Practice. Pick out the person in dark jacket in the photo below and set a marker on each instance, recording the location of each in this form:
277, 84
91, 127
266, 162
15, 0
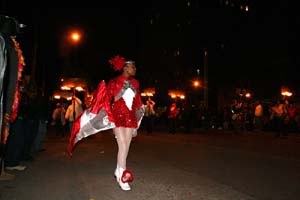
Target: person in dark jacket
11, 67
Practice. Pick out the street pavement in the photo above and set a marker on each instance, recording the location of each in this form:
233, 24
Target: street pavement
204, 165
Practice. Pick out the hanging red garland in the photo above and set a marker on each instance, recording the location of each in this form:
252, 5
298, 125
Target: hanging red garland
117, 62
21, 64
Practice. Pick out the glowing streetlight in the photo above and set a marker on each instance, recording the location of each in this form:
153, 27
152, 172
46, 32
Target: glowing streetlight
196, 83
75, 37
70, 48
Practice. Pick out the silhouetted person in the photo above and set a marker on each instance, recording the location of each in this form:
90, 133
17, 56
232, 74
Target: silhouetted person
149, 115
58, 119
172, 116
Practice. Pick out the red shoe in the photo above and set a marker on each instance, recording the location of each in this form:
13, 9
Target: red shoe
123, 180
127, 176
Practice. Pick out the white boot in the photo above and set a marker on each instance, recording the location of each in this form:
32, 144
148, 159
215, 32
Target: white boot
116, 173
124, 186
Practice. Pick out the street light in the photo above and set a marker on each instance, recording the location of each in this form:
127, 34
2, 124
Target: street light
196, 83
72, 43
75, 36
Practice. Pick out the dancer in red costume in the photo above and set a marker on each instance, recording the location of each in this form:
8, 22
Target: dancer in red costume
118, 106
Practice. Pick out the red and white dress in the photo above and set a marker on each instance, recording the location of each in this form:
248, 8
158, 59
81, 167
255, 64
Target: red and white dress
123, 92
117, 105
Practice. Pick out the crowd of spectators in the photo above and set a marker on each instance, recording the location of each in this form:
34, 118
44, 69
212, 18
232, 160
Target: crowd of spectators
278, 116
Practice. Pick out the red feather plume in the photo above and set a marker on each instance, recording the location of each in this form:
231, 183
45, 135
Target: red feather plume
117, 62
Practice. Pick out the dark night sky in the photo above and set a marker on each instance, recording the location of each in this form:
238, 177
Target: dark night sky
246, 49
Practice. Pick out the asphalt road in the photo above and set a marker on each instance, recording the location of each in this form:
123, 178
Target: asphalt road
205, 165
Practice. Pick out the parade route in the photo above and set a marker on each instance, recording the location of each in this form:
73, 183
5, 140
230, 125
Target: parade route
209, 165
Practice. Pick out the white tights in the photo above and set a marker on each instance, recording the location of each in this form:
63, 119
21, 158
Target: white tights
123, 136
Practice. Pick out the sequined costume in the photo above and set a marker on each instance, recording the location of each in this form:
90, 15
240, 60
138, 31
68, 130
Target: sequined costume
123, 92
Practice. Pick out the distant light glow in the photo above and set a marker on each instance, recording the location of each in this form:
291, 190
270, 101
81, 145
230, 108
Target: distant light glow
246, 8
79, 88
248, 95
149, 92
75, 36
176, 94
65, 88
286, 93
196, 83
